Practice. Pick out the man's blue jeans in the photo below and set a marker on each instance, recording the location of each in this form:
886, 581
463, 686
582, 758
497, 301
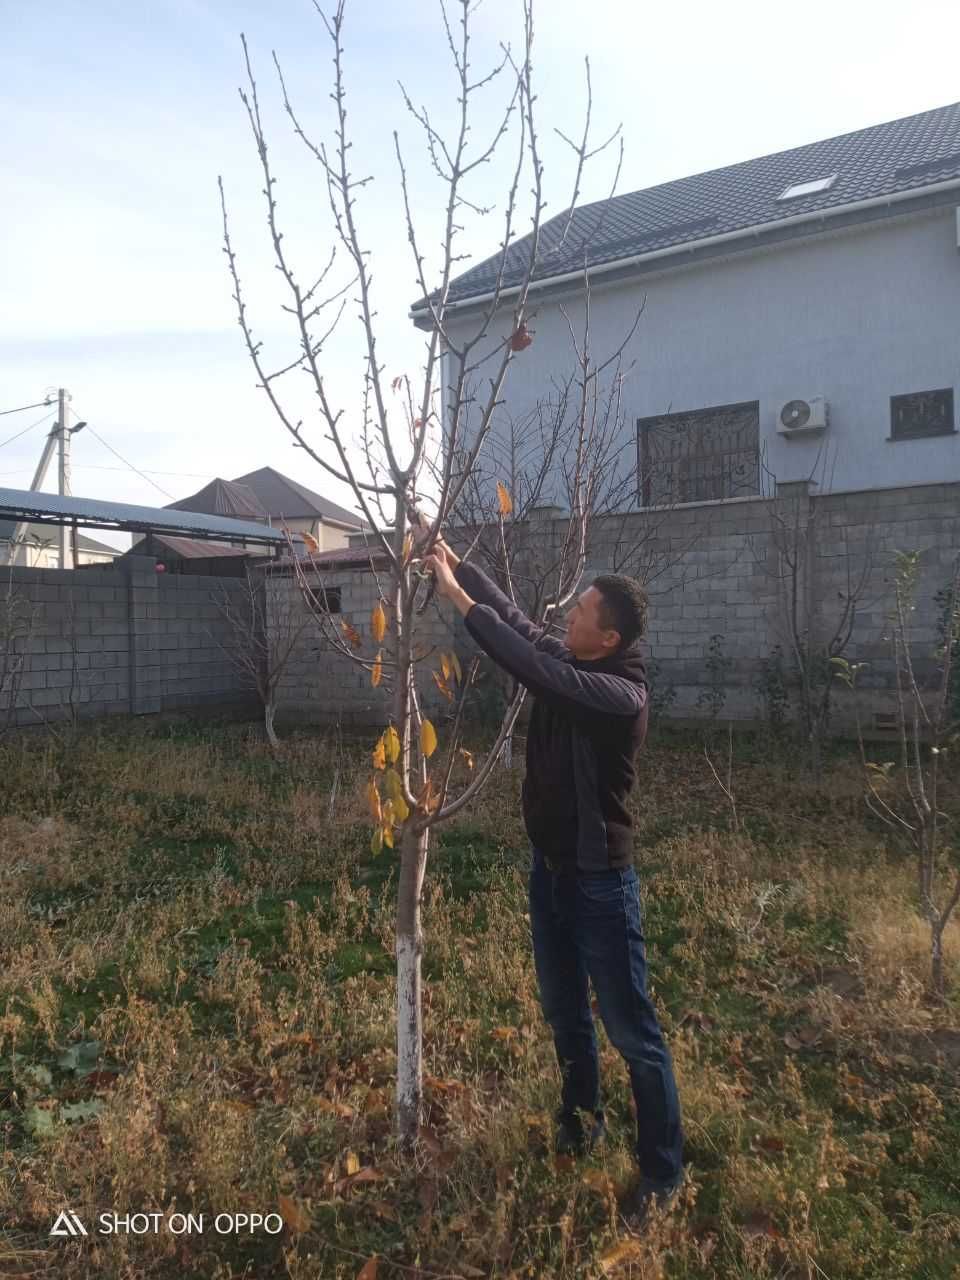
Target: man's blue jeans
588, 925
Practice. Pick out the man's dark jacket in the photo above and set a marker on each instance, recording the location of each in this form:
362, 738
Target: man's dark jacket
589, 718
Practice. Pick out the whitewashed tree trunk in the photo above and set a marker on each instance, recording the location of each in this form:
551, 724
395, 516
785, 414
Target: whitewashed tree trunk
269, 711
413, 859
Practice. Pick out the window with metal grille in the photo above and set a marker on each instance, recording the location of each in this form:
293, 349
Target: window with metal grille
922, 413
699, 456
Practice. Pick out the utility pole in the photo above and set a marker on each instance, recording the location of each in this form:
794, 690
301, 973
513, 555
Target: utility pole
63, 486
20, 530
59, 435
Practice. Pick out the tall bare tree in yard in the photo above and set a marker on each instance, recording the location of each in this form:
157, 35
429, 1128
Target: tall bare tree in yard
398, 425
815, 632
264, 628
916, 795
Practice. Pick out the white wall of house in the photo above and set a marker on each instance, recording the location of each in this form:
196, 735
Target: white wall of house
329, 536
32, 555
855, 315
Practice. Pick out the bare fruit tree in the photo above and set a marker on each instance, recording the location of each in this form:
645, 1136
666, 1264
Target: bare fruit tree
915, 795
815, 633
389, 462
265, 624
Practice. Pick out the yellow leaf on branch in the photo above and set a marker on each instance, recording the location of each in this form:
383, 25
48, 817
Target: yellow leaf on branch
388, 837
376, 840
391, 741
380, 754
445, 666
376, 673
504, 501
378, 623
457, 671
467, 757
394, 785
442, 685
401, 809
428, 738
373, 799
428, 800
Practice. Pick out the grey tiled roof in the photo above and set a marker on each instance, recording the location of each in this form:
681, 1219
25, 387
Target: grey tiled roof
223, 498
901, 155
287, 498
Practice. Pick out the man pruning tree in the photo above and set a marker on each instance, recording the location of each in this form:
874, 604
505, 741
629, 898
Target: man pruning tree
589, 718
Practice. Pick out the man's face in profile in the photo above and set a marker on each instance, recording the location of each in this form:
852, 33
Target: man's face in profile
585, 637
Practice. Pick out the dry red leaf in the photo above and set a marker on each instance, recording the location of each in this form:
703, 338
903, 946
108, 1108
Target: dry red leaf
520, 339
352, 634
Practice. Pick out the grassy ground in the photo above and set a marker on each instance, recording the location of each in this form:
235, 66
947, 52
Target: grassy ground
196, 1016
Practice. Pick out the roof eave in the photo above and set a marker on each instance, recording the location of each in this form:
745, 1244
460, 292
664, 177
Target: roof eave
422, 316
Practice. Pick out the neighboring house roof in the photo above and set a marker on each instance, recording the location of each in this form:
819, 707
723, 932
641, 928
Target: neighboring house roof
905, 155
195, 548
347, 557
48, 533
223, 498
285, 498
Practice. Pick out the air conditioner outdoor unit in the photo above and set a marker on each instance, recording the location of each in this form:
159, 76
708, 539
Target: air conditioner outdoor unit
803, 417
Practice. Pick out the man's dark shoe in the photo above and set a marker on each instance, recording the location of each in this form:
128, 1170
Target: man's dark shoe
646, 1198
572, 1138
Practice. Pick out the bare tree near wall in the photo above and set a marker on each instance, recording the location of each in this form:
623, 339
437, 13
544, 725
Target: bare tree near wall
264, 628
916, 795
18, 621
814, 630
409, 793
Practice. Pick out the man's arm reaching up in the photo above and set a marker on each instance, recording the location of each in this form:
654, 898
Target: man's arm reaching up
543, 673
550, 677
481, 588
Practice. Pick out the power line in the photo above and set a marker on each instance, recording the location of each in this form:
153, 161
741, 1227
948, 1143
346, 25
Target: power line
150, 471
24, 407
10, 439
137, 470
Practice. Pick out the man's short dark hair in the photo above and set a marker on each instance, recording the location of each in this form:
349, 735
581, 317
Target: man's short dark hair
623, 606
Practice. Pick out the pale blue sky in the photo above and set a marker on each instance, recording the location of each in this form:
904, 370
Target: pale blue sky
118, 115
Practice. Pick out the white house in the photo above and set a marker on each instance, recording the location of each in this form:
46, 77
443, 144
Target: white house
39, 547
794, 301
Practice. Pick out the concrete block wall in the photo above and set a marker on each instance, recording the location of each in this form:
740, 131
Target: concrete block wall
117, 640
322, 684
124, 639
712, 569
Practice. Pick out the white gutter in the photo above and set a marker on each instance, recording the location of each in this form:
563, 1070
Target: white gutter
689, 245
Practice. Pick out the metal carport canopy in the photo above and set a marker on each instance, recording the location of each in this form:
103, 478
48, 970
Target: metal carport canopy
29, 505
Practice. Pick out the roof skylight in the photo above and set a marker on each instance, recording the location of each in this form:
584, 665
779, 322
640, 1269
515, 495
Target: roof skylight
807, 188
